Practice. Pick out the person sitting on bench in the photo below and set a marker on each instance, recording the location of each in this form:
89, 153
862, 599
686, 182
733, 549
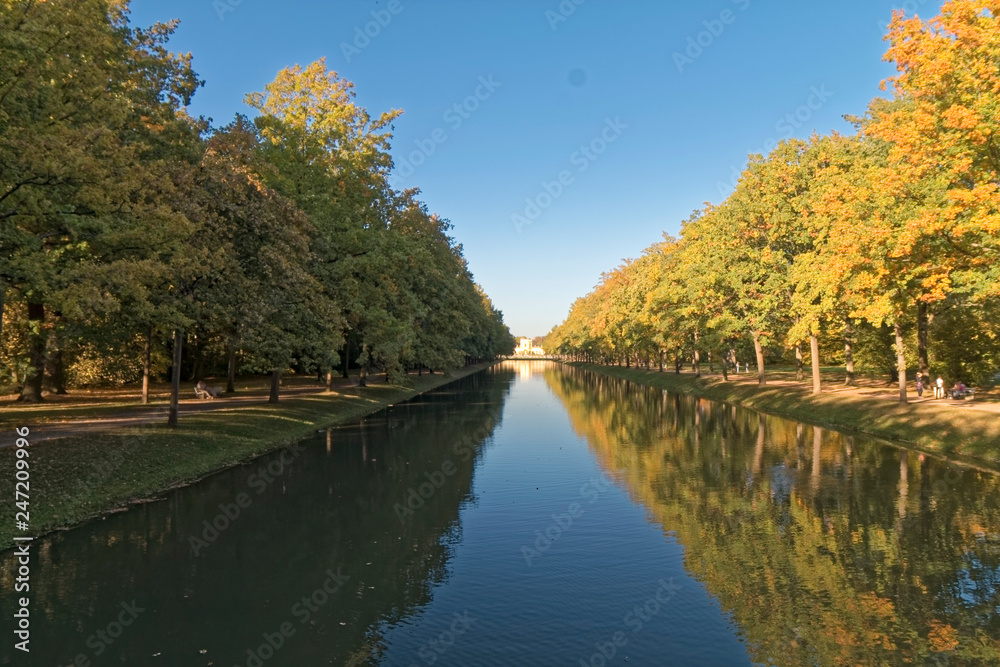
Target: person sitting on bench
960, 390
202, 390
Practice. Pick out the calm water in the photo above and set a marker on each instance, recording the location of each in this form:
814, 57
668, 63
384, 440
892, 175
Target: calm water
536, 515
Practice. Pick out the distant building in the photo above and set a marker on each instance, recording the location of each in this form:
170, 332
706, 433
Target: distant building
526, 347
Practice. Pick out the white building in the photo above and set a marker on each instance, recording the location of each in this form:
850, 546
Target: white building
526, 347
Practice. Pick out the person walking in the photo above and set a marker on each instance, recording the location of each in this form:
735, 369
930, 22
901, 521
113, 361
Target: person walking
920, 385
939, 388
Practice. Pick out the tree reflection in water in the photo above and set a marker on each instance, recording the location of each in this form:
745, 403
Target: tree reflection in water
826, 549
333, 508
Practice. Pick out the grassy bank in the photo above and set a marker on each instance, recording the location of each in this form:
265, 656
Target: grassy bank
943, 427
77, 478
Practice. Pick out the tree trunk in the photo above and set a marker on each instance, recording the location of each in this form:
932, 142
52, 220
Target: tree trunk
725, 370
817, 459
58, 367
3, 295
231, 369
32, 390
799, 375
923, 326
900, 361
147, 354
849, 351
814, 349
347, 359
175, 380
275, 386
758, 454
363, 380
197, 349
329, 380
697, 357
800, 445
759, 350
677, 363
904, 483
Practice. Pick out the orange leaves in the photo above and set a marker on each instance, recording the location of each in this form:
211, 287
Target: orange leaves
942, 637
906, 211
942, 168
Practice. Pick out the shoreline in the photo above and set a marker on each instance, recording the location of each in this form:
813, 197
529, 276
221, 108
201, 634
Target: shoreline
966, 436
80, 478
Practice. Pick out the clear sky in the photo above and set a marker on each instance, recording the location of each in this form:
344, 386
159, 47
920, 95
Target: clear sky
584, 129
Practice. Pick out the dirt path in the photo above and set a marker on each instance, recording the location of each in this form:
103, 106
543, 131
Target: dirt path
876, 391
74, 414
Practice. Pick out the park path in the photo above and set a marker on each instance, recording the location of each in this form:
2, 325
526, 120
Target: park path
877, 391
142, 415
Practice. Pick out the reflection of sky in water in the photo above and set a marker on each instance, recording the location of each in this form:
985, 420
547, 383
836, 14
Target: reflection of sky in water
526, 368
979, 581
782, 483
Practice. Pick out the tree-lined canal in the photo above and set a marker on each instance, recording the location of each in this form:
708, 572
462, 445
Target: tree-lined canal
537, 514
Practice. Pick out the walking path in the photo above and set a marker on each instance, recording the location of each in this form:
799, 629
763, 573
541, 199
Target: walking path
876, 390
85, 412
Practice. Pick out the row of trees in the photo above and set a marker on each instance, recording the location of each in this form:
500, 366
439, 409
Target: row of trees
881, 246
130, 230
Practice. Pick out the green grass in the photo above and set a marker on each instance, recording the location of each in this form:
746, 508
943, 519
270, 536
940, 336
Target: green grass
78, 478
935, 427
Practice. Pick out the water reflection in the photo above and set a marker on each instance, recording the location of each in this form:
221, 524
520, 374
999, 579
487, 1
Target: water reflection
826, 549
822, 549
323, 546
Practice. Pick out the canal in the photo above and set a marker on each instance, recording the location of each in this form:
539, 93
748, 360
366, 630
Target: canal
537, 514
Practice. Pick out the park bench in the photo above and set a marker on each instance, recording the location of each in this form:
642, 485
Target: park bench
204, 391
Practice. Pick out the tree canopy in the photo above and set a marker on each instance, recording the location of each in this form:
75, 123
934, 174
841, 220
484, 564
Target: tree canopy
881, 245
129, 229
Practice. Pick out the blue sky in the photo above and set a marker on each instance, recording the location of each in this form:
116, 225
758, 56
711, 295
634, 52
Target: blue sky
584, 129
